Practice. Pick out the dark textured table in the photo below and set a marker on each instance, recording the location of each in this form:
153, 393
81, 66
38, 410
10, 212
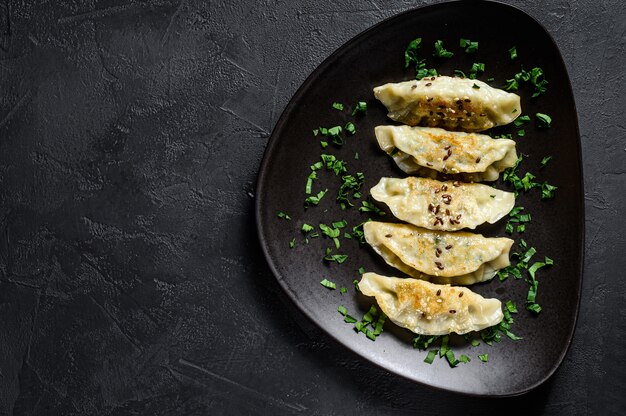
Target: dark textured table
131, 277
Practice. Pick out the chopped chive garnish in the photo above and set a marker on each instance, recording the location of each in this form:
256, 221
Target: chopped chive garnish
451, 359
547, 190
292, 243
470, 47
513, 53
477, 68
343, 290
307, 228
543, 120
484, 358
323, 144
545, 161
356, 156
349, 319
328, 284
410, 53
283, 215
361, 270
360, 108
521, 120
431, 356
315, 200
356, 285
476, 87
338, 106
350, 128
440, 51
464, 358
521, 133
475, 343
459, 73
342, 310
367, 206
338, 258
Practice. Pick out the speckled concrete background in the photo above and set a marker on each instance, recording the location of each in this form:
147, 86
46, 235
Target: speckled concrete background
131, 280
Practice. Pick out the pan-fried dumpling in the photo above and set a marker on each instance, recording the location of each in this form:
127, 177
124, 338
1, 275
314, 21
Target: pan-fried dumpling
449, 102
449, 205
442, 257
429, 309
425, 151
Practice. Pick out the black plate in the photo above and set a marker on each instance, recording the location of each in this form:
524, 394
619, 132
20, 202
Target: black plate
374, 58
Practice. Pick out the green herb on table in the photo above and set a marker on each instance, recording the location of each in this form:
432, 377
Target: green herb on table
513, 53
338, 106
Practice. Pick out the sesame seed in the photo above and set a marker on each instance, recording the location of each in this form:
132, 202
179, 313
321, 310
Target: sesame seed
478, 159
429, 84
438, 292
448, 247
413, 87
388, 236
452, 311
439, 265
461, 294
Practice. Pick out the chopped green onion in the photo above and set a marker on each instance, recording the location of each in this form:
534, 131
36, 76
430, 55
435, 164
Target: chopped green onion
464, 358
513, 53
521, 133
545, 161
350, 128
470, 47
342, 310
283, 215
484, 358
476, 87
307, 228
430, 357
544, 120
440, 51
338, 106
343, 290
410, 54
292, 243
328, 284
547, 190
521, 120
360, 108
475, 343
315, 200
361, 270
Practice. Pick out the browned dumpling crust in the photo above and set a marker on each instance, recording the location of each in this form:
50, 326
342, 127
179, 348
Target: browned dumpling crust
439, 256
430, 309
449, 102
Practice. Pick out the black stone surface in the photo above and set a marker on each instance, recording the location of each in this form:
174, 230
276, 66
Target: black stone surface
131, 279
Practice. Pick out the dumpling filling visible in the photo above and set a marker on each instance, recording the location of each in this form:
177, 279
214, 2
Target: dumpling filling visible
429, 309
449, 102
448, 206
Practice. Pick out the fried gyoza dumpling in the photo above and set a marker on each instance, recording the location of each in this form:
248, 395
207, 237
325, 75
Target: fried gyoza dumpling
449, 205
426, 151
442, 257
449, 102
429, 309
